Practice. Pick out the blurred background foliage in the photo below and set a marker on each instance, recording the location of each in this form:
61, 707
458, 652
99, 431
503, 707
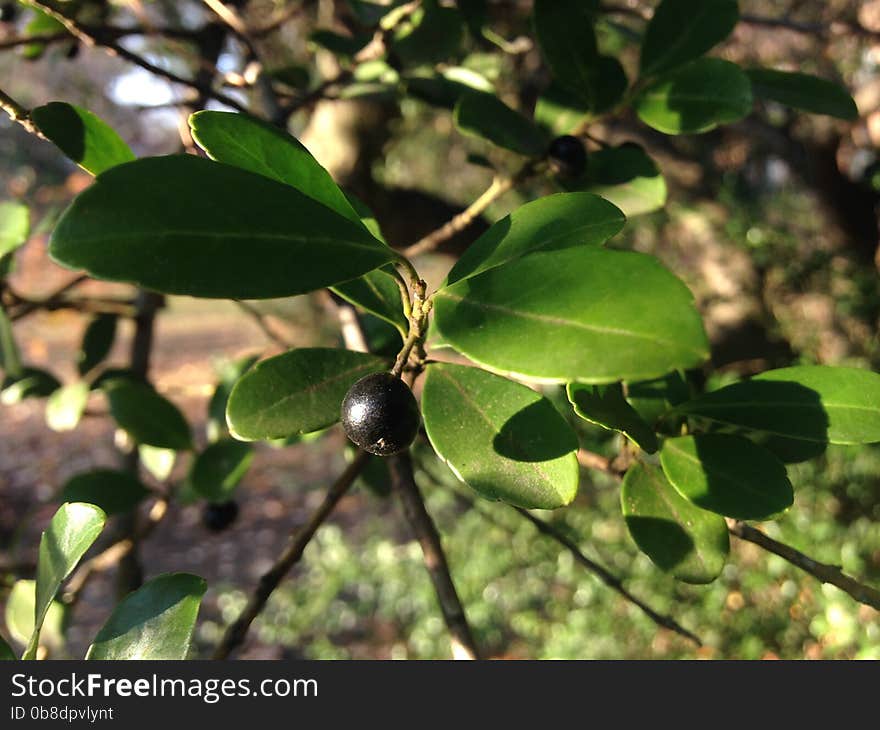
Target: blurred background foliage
771, 221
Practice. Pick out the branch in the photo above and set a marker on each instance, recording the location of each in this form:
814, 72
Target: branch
237, 631
831, 574
403, 482
19, 114
607, 577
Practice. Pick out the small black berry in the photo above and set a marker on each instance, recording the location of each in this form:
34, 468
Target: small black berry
219, 515
8, 12
567, 156
380, 414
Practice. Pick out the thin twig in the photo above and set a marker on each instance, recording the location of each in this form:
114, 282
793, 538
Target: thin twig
831, 574
404, 484
19, 114
608, 578
236, 632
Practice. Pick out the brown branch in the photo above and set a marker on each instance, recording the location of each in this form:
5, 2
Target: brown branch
404, 484
608, 578
19, 114
831, 574
236, 632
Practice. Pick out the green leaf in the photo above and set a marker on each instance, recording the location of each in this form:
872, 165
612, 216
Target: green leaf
146, 416
216, 472
40, 24
97, 342
241, 141
6, 653
485, 115
429, 35
377, 293
66, 405
605, 406
696, 98
810, 403
728, 475
10, 358
502, 439
566, 33
185, 225
154, 622
344, 46
84, 137
682, 30
15, 226
627, 177
297, 392
588, 315
230, 373
653, 398
19, 617
158, 462
31, 383
561, 111
71, 532
552, 223
802, 91
115, 492
444, 89
680, 538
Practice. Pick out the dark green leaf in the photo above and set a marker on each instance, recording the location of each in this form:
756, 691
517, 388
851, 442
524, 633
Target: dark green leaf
6, 653
66, 406
551, 223
216, 471
429, 35
504, 440
31, 383
377, 293
146, 416
97, 342
684, 540
15, 226
71, 532
114, 492
10, 358
605, 406
802, 91
652, 398
485, 115
186, 225
294, 76
84, 137
297, 392
229, 376
584, 314
809, 403
40, 24
696, 98
154, 622
682, 30
344, 46
566, 33
728, 475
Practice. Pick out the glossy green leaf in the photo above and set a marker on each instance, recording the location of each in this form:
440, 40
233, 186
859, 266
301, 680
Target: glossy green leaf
66, 405
561, 111
185, 225
682, 30
245, 142
19, 617
146, 416
158, 462
485, 115
809, 403
802, 91
551, 223
377, 293
97, 342
6, 653
680, 538
15, 226
30, 383
229, 372
429, 35
71, 532
115, 492
605, 406
154, 622
696, 98
585, 314
297, 392
10, 358
627, 177
653, 398
566, 34
83, 136
728, 475
502, 439
217, 470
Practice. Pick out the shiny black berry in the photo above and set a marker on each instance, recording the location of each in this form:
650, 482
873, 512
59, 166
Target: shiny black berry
220, 515
567, 156
380, 414
8, 12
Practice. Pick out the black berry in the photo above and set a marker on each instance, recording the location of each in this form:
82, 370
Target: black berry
380, 414
8, 12
567, 156
219, 515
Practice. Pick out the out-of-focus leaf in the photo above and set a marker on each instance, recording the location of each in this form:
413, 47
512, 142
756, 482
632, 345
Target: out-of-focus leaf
113, 491
802, 91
